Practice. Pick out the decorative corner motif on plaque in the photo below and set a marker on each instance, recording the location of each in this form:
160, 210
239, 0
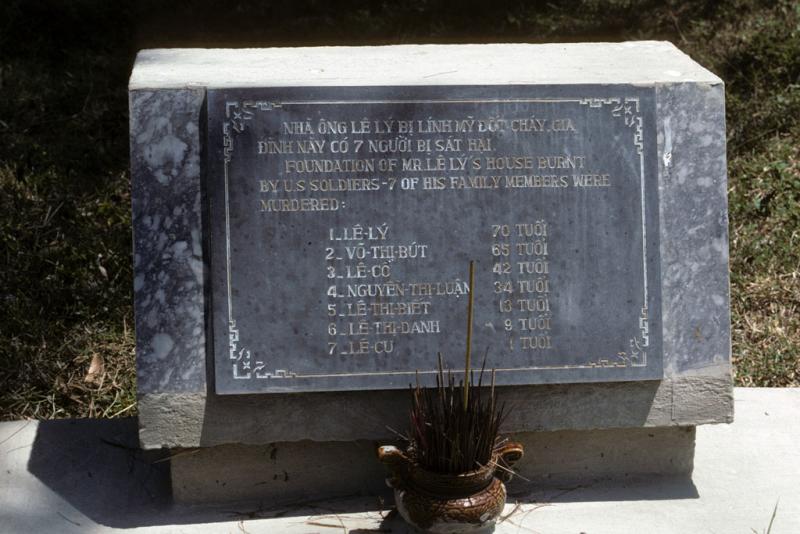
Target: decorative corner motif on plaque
639, 344
621, 360
238, 113
243, 365
277, 373
636, 355
628, 109
242, 358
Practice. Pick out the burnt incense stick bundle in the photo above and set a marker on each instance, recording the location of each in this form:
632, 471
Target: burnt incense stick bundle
449, 436
454, 429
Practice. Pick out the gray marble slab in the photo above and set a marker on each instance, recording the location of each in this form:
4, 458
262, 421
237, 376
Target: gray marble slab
343, 221
694, 225
168, 283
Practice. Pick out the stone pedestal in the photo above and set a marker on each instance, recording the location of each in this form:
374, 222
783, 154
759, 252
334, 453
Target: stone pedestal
292, 472
596, 428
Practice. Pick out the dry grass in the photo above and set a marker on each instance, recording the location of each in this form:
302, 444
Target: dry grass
68, 388
67, 304
765, 242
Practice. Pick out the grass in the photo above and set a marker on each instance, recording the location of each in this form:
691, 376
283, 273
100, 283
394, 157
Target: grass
66, 302
765, 264
65, 260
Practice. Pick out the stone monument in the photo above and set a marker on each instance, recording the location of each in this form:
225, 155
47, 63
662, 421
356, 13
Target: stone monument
304, 219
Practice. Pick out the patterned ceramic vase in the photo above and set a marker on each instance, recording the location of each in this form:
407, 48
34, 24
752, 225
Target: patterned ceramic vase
445, 504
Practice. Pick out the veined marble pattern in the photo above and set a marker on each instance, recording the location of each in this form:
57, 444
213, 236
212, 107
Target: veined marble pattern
694, 227
168, 252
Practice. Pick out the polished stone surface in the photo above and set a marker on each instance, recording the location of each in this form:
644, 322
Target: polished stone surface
343, 220
693, 199
168, 266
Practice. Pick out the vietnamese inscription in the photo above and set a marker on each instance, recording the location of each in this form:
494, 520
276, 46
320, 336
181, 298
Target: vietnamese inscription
343, 220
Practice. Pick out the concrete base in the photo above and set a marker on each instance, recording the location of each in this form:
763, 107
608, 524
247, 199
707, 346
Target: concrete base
74, 477
282, 473
201, 420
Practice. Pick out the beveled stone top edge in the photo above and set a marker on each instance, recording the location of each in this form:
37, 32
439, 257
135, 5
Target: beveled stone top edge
633, 62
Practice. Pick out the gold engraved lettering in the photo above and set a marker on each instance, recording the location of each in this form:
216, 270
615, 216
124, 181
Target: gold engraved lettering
400, 308
390, 289
561, 162
591, 180
304, 204
394, 328
328, 165
509, 163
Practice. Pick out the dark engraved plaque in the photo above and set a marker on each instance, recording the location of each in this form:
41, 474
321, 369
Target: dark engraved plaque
343, 219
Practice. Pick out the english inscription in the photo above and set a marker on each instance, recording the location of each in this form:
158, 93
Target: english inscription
343, 221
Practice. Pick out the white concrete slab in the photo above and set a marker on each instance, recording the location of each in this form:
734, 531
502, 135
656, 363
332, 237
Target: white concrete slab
644, 62
87, 476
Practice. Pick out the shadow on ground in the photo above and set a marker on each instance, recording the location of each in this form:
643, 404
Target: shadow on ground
638, 488
98, 469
